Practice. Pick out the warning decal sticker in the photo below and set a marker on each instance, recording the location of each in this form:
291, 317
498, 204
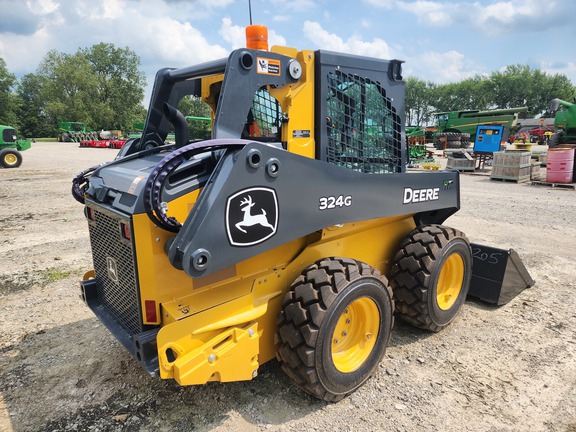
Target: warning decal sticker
267, 66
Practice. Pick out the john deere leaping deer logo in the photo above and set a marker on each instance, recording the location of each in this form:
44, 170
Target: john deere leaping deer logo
250, 219
251, 216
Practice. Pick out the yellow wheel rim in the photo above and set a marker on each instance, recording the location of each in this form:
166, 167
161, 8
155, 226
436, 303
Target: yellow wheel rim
10, 159
355, 335
450, 281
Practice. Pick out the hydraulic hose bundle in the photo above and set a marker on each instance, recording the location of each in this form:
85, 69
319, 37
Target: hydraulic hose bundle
153, 187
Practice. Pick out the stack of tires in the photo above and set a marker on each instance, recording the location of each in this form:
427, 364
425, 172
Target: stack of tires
453, 140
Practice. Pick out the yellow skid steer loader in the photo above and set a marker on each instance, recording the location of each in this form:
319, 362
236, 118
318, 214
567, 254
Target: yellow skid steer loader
294, 233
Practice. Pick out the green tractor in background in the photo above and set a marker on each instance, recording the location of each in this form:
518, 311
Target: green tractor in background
74, 132
416, 138
564, 121
457, 129
10, 147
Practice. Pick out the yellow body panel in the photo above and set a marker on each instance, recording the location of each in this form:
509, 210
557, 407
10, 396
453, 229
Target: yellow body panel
297, 101
231, 355
194, 336
155, 282
179, 294
210, 90
221, 327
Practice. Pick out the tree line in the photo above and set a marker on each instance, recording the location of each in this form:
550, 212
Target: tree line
103, 88
100, 86
515, 86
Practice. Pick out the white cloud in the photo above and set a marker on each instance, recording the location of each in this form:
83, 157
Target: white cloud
494, 17
233, 34
153, 32
503, 12
294, 5
42, 7
169, 41
281, 18
216, 3
21, 61
429, 12
353, 45
449, 66
106, 9
568, 69
381, 3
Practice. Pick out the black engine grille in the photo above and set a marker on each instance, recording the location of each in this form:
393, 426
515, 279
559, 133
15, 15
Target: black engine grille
114, 268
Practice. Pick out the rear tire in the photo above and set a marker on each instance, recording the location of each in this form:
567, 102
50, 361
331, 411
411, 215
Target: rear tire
334, 327
431, 276
555, 139
10, 158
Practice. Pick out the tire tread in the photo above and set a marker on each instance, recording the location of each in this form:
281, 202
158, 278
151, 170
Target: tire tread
303, 310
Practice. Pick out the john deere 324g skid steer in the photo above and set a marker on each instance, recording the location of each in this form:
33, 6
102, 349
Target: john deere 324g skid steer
294, 233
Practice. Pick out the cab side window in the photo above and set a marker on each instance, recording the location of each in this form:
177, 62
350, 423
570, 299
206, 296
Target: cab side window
362, 126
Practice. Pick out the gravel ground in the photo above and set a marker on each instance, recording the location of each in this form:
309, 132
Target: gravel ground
508, 368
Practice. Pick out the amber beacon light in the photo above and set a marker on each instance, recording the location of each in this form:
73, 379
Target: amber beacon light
257, 37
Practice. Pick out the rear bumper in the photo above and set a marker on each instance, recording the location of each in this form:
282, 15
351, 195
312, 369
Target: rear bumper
142, 346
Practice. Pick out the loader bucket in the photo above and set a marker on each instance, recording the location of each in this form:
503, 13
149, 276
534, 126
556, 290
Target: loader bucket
498, 275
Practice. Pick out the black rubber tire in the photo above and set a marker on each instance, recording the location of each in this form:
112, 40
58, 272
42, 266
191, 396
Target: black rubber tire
10, 158
439, 141
309, 315
454, 136
415, 275
452, 144
555, 139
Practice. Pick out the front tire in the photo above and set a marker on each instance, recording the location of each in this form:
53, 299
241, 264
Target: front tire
10, 158
555, 139
431, 276
334, 327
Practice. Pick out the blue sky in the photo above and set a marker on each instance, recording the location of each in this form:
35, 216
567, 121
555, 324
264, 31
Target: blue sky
440, 41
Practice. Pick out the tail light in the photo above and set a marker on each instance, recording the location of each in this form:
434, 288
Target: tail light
125, 230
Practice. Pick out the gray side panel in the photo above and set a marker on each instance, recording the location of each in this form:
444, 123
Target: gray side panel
211, 238
243, 77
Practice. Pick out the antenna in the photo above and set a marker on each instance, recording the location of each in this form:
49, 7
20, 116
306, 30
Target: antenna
256, 35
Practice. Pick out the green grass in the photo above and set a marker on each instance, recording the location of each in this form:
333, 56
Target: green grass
45, 139
51, 275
